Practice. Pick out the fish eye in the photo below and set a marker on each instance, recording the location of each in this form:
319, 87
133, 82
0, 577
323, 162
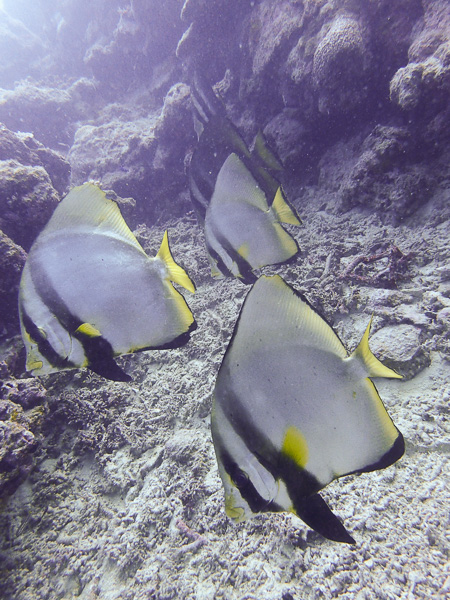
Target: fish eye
240, 478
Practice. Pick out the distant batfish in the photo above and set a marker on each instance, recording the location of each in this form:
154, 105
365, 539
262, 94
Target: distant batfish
89, 292
292, 411
236, 194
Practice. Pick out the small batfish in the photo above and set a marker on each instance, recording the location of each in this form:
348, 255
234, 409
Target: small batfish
89, 292
236, 194
293, 410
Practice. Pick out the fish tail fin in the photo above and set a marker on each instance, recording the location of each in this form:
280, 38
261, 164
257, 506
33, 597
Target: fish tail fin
284, 212
176, 273
374, 366
264, 153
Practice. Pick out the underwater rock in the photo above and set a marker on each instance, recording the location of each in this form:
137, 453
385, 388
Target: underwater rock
399, 347
288, 136
47, 112
17, 444
132, 41
29, 174
138, 154
27, 393
25, 148
12, 261
27, 199
271, 27
339, 66
214, 31
425, 81
386, 177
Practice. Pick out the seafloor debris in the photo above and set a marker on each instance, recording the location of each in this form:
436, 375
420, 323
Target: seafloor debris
198, 539
383, 268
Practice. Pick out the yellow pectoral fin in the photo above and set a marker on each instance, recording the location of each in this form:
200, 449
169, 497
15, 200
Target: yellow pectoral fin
283, 211
34, 365
375, 368
244, 250
237, 513
176, 273
88, 330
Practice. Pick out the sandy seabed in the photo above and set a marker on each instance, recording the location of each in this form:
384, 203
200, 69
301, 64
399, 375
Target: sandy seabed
126, 503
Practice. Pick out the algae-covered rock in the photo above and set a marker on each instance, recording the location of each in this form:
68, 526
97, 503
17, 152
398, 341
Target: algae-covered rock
20, 49
138, 154
27, 200
17, 444
12, 261
340, 66
424, 83
385, 177
47, 112
27, 150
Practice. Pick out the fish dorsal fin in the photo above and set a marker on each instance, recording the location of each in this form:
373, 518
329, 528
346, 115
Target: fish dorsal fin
176, 273
282, 209
374, 367
265, 154
291, 318
235, 180
87, 207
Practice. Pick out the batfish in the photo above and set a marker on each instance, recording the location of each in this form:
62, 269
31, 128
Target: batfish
293, 410
89, 292
236, 193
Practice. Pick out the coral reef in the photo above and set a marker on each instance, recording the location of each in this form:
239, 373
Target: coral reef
123, 498
20, 49
12, 261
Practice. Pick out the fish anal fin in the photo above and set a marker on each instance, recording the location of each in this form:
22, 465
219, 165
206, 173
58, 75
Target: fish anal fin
390, 457
374, 367
316, 513
108, 368
283, 211
295, 446
176, 273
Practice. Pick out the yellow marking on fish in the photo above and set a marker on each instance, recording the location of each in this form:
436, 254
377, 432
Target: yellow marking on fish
88, 330
295, 446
